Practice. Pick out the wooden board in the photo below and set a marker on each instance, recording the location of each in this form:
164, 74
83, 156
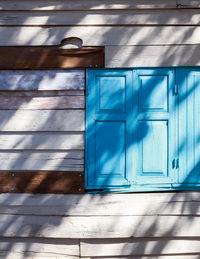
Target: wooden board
42, 80
185, 256
42, 182
42, 160
86, 5
50, 57
152, 56
23, 102
43, 120
188, 3
99, 226
102, 17
134, 246
91, 36
60, 200
41, 141
102, 205
33, 255
39, 247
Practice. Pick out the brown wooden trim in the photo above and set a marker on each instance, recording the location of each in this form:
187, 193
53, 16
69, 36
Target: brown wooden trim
50, 57
42, 182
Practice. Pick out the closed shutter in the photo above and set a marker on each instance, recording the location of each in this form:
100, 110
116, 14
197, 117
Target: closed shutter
156, 125
143, 129
189, 125
108, 136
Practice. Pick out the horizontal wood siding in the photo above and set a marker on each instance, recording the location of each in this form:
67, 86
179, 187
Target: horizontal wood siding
101, 226
92, 226
102, 17
23, 102
42, 80
101, 35
138, 247
41, 141
44, 120
38, 248
50, 58
42, 124
152, 56
108, 205
49, 142
42, 182
52, 160
157, 33
80, 5
188, 4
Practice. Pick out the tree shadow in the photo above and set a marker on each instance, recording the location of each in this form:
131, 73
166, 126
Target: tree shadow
38, 218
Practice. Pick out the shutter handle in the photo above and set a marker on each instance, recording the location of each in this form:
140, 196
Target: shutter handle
175, 163
176, 89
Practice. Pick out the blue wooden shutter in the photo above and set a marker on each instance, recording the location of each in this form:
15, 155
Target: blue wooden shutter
108, 129
188, 81
157, 159
131, 129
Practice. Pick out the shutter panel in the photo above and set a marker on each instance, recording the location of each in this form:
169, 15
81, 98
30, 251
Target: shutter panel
108, 129
131, 125
156, 127
189, 125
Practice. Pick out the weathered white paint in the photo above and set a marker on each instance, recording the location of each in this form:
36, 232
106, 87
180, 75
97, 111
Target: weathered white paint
112, 247
41, 141
100, 35
42, 102
97, 205
42, 80
175, 236
39, 247
152, 56
188, 3
99, 226
185, 256
75, 199
102, 17
84, 5
94, 216
42, 161
42, 120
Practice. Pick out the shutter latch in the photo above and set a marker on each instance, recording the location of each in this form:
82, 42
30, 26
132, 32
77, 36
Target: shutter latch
176, 89
175, 163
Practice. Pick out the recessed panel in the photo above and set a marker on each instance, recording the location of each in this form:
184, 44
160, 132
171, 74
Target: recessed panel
153, 93
110, 149
153, 148
111, 94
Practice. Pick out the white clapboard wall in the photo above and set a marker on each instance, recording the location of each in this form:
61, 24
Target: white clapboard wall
42, 120
134, 33
50, 135
150, 225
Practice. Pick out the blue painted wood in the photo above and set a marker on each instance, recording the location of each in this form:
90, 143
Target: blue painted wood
154, 147
189, 125
143, 129
156, 122
108, 137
